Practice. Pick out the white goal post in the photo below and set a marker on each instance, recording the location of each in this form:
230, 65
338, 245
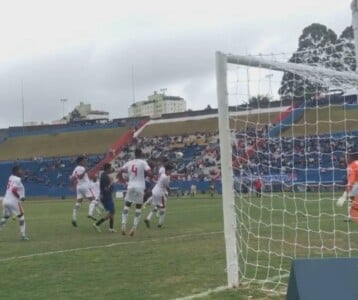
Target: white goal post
329, 78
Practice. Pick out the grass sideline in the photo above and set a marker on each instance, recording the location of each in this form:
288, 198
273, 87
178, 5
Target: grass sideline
185, 257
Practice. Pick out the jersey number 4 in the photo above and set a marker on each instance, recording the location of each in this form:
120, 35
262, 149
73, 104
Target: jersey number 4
134, 170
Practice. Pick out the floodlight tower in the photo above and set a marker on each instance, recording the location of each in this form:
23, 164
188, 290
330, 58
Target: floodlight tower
63, 106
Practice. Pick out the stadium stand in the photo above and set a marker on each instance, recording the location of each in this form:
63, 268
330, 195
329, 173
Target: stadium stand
192, 144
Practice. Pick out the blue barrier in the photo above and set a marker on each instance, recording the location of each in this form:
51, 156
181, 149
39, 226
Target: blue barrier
328, 279
348, 106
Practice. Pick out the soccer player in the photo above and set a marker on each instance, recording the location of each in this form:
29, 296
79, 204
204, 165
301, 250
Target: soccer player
95, 186
14, 196
352, 186
258, 187
212, 189
106, 191
149, 184
83, 189
137, 169
192, 190
159, 197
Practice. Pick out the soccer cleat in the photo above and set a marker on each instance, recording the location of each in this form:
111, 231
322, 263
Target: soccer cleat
24, 238
147, 223
97, 227
91, 217
112, 230
132, 232
74, 223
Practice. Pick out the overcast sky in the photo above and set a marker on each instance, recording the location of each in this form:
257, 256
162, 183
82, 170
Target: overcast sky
85, 50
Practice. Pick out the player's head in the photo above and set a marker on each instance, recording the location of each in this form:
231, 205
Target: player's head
95, 178
17, 171
107, 167
81, 160
138, 153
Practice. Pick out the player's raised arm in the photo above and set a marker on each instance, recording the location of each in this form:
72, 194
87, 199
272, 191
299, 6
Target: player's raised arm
121, 171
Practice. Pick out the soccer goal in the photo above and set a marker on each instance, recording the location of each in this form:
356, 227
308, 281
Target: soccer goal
286, 124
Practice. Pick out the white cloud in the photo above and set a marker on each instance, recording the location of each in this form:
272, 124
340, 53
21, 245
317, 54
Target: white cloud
84, 50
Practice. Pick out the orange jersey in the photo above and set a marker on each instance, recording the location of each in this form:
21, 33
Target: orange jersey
353, 172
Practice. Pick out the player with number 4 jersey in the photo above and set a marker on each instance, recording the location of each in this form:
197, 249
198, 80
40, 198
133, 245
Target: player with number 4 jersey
137, 169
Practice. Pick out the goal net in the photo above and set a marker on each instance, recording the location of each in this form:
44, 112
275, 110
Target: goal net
286, 124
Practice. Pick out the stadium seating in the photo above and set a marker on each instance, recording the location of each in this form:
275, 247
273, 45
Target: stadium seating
193, 146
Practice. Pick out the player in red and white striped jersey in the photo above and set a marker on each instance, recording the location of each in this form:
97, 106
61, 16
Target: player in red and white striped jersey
159, 196
83, 189
12, 202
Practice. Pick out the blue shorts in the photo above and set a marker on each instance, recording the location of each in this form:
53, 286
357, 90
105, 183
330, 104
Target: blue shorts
108, 204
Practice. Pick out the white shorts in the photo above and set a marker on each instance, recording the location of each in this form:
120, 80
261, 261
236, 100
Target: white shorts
84, 192
159, 200
134, 195
354, 190
12, 208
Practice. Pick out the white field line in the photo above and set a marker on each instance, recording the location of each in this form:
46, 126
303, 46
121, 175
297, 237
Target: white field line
204, 294
183, 236
223, 288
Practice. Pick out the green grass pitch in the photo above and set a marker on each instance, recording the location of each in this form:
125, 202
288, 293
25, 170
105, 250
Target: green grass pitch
184, 257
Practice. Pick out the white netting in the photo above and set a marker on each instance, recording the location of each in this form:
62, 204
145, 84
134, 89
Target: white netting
296, 147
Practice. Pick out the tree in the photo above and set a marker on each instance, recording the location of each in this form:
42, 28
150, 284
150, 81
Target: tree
345, 49
259, 101
75, 115
314, 48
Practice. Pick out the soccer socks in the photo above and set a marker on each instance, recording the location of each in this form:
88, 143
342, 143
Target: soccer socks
153, 211
98, 223
161, 216
137, 215
111, 221
22, 226
91, 207
125, 216
75, 211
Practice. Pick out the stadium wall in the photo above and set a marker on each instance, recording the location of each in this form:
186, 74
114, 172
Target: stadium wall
292, 118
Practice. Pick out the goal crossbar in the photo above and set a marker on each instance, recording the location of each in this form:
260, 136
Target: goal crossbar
324, 76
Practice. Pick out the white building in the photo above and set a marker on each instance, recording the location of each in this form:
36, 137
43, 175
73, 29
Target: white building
157, 105
86, 112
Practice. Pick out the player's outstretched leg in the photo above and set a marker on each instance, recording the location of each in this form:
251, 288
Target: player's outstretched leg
148, 218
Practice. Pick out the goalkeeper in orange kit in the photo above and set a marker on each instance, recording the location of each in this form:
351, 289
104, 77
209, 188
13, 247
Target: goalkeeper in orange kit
352, 186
